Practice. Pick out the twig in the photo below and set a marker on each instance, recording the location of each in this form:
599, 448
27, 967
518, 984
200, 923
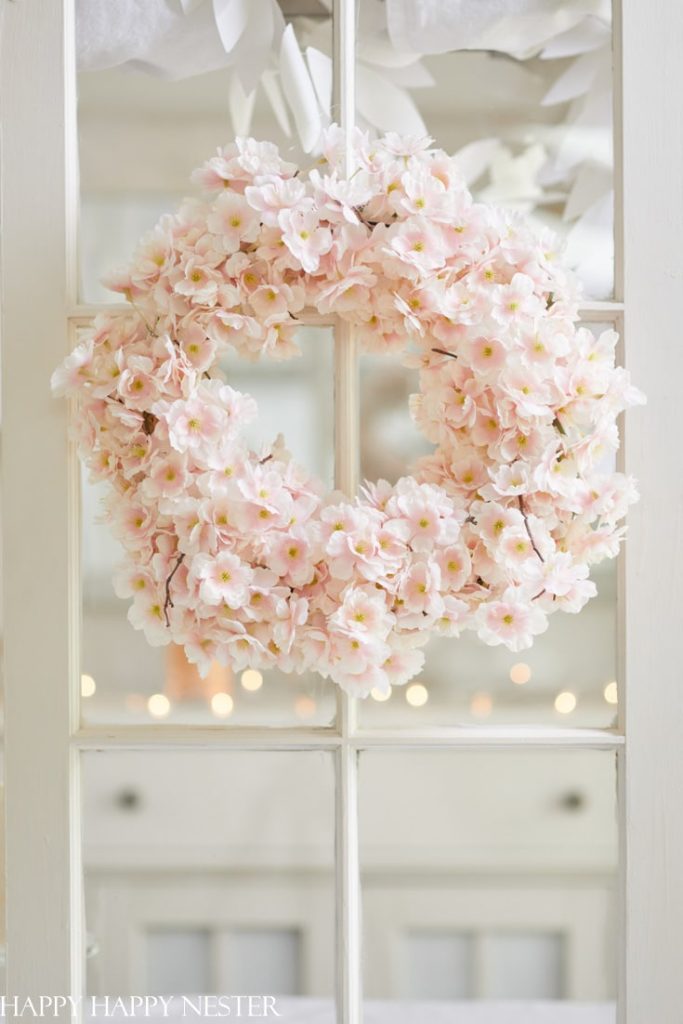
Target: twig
149, 422
558, 426
168, 603
528, 528
151, 330
443, 352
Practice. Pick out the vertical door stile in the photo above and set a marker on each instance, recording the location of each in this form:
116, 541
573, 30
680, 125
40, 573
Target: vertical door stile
622, 460
346, 455
39, 183
653, 698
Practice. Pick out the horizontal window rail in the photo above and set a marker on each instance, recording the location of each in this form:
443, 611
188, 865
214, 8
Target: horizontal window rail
170, 737
83, 314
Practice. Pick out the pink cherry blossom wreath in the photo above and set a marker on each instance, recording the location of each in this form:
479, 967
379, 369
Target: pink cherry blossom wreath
239, 555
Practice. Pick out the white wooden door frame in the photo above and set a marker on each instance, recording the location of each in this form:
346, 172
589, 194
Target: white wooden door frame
40, 517
41, 602
651, 774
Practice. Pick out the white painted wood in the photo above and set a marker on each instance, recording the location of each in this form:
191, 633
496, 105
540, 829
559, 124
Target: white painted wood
489, 737
210, 737
39, 499
598, 311
346, 456
179, 737
83, 313
652, 694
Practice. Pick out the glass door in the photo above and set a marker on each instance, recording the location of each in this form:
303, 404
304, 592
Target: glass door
507, 830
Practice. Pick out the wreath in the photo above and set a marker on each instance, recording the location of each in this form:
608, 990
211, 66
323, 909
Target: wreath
239, 555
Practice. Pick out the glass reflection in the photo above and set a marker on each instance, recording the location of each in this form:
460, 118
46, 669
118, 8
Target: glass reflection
523, 97
210, 873
489, 877
125, 679
566, 678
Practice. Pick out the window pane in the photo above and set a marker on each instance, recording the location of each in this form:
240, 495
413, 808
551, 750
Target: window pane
466, 681
440, 965
210, 873
490, 877
524, 98
522, 965
264, 960
523, 93
140, 138
122, 672
178, 960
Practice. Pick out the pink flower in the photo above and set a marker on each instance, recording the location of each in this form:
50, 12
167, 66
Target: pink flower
402, 665
351, 292
137, 385
512, 621
486, 355
223, 579
198, 348
269, 197
353, 543
275, 302
559, 576
168, 477
356, 661
417, 243
194, 425
75, 370
198, 281
532, 395
492, 519
337, 197
130, 580
133, 524
424, 195
289, 555
509, 480
454, 564
454, 617
516, 549
147, 613
515, 301
262, 501
305, 238
363, 611
234, 220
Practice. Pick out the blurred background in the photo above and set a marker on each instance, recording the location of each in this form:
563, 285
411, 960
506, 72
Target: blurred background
485, 875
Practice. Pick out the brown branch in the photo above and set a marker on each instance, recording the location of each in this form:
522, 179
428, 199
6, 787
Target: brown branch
558, 426
266, 458
149, 422
168, 603
443, 352
528, 528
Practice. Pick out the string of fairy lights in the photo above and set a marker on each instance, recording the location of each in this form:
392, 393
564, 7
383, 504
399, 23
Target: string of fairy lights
222, 704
